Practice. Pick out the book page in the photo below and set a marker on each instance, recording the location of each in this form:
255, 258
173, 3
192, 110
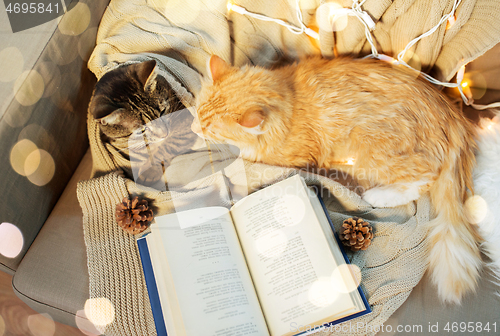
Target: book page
210, 291
289, 257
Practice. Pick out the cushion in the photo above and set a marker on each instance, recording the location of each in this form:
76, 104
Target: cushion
42, 117
53, 277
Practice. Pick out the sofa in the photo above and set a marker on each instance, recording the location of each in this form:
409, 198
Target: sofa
45, 88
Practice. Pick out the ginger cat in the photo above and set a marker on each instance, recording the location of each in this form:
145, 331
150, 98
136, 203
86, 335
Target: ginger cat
400, 130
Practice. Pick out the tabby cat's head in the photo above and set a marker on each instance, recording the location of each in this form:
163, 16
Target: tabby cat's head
237, 104
129, 97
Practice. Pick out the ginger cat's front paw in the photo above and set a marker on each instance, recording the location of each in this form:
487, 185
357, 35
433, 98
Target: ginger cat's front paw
379, 197
393, 194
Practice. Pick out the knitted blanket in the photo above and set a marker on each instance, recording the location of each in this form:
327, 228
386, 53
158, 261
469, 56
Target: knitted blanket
181, 36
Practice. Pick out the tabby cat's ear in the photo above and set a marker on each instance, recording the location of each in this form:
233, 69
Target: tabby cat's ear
252, 120
145, 71
113, 118
101, 107
105, 112
147, 75
217, 67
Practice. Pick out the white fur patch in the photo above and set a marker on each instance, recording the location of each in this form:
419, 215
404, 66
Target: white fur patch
486, 177
393, 194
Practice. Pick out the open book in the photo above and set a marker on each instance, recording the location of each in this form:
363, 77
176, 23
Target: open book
271, 265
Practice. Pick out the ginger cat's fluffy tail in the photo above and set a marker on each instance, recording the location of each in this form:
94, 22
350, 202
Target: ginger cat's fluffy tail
454, 243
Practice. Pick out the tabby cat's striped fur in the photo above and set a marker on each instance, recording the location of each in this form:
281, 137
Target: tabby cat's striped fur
135, 108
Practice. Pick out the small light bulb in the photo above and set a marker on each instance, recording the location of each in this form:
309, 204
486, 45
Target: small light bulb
231, 7
460, 74
386, 58
451, 21
466, 90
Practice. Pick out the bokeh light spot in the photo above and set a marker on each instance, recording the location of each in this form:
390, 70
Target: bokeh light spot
346, 278
331, 16
271, 244
11, 64
99, 311
45, 169
11, 240
38, 134
75, 21
488, 125
322, 293
29, 87
21, 150
476, 209
41, 325
85, 325
476, 83
32, 162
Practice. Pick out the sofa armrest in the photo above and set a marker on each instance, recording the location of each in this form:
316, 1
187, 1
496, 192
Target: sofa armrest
43, 118
53, 275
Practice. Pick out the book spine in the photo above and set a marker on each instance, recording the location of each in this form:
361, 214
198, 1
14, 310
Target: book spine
339, 243
149, 276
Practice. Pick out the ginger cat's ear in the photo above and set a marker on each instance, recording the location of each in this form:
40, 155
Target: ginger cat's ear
252, 121
217, 67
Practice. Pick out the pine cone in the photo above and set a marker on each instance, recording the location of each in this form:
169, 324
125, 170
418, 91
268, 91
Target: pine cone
356, 234
133, 216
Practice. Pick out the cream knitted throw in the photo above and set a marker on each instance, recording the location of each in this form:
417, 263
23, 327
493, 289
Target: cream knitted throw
181, 35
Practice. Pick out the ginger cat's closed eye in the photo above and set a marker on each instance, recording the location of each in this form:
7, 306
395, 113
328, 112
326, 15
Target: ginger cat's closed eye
401, 132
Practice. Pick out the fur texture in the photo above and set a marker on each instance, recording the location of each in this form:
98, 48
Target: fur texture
404, 136
129, 97
484, 207
134, 107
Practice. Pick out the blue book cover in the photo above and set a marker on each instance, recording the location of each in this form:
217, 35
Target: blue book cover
149, 276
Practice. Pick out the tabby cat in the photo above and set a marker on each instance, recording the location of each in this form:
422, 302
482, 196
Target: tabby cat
404, 136
134, 107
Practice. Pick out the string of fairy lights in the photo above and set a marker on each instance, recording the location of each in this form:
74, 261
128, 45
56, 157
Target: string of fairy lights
335, 13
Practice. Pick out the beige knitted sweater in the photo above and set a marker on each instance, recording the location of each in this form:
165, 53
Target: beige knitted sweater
181, 35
